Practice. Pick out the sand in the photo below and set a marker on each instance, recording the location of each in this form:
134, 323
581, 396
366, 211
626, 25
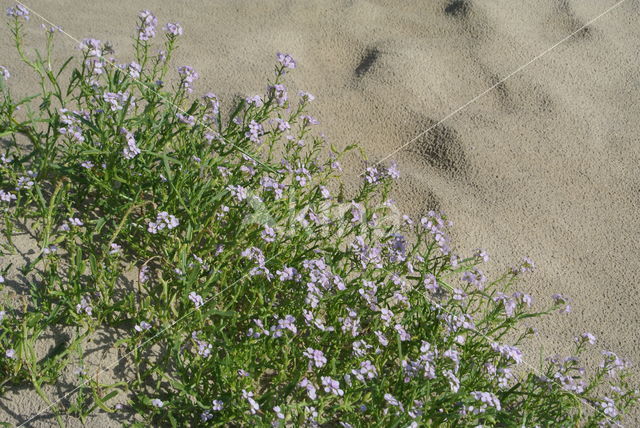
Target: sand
544, 165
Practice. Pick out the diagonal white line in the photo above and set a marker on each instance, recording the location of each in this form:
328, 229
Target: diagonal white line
508, 76
244, 152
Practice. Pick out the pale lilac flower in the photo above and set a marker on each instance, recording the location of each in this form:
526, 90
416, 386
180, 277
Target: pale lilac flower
454, 382
84, 306
217, 405
147, 27
288, 274
559, 299
332, 386
279, 92
310, 387
255, 100
393, 171
586, 337
206, 416
25, 182
404, 336
117, 100
10, 353
4, 72
142, 326
253, 405
609, 407
115, 248
525, 266
288, 323
188, 119
238, 192
87, 164
487, 398
163, 220
392, 401
187, 76
286, 60
381, 338
309, 120
173, 29
196, 299
18, 11
386, 315
306, 96
75, 221
508, 351
157, 403
278, 412
142, 275
317, 357
50, 249
134, 69
254, 132
283, 125
6, 196
131, 150
366, 371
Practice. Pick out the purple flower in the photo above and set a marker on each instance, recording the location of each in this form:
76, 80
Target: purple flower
288, 274
131, 150
507, 351
310, 387
317, 357
392, 401
163, 219
238, 192
286, 60
586, 337
196, 299
6, 196
255, 100
10, 353
559, 299
609, 407
366, 371
278, 412
173, 29
188, 119
84, 306
187, 76
142, 326
217, 405
254, 132
92, 46
306, 96
147, 27
206, 416
253, 405
157, 403
308, 120
4, 72
454, 383
75, 221
268, 234
18, 11
487, 398
332, 386
279, 92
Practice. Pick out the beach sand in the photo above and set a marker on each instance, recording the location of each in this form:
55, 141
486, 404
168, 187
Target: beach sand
544, 164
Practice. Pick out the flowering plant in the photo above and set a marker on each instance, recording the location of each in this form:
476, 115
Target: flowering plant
244, 285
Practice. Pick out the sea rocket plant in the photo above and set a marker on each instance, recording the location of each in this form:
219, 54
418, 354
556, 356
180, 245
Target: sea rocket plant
323, 306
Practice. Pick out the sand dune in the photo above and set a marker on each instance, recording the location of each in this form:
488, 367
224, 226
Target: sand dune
545, 164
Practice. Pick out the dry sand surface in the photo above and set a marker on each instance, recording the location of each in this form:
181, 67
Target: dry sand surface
545, 164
